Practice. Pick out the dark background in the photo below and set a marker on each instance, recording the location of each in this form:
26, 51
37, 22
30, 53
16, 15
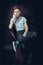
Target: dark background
35, 9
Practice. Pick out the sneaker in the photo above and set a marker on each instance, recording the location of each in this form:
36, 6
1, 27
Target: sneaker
34, 35
17, 42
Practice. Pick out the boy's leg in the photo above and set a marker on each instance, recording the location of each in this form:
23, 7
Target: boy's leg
28, 57
22, 39
30, 35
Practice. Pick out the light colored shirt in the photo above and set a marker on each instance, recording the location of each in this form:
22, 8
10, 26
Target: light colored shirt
19, 24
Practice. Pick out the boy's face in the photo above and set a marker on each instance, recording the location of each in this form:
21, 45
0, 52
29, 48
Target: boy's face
17, 13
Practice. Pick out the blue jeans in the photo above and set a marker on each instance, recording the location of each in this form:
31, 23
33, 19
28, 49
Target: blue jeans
22, 40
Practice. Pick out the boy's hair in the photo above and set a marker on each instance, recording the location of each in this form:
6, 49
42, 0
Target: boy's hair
16, 7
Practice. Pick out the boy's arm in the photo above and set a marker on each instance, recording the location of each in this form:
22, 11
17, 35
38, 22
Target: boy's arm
26, 29
11, 24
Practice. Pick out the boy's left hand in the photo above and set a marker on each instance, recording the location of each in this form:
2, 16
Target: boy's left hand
24, 35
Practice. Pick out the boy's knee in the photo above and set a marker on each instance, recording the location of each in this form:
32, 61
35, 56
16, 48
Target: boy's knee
34, 34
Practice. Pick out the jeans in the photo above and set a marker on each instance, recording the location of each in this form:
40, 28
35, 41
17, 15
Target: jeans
22, 39
19, 37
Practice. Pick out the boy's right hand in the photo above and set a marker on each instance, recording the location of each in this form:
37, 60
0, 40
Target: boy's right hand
14, 16
11, 22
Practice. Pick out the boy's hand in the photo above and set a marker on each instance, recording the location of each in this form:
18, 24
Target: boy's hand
14, 16
24, 35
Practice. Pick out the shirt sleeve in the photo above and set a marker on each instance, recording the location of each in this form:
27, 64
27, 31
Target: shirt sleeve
24, 19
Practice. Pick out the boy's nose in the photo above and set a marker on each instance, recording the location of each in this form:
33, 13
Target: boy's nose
16, 13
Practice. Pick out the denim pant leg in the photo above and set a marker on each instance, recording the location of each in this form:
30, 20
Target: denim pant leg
19, 36
30, 35
22, 39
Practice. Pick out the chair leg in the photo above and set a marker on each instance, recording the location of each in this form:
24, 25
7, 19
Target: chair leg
15, 45
14, 48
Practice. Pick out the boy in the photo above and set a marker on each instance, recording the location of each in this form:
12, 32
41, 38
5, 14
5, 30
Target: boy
22, 28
